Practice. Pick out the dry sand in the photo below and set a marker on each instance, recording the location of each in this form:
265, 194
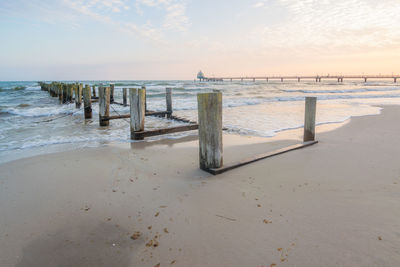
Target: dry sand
336, 203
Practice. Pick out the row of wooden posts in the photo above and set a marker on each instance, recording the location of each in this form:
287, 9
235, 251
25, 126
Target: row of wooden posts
209, 119
68, 93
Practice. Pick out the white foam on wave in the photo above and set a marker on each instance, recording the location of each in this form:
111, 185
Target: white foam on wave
40, 111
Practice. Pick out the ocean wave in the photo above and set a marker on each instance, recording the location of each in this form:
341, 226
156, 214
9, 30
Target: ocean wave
16, 88
39, 111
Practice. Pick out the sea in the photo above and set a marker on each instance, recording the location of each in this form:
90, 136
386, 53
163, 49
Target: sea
33, 123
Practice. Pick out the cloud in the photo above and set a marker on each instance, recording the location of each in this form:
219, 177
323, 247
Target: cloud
175, 13
331, 24
104, 11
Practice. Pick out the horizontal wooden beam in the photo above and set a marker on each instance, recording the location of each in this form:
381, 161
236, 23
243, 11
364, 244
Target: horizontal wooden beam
235, 165
127, 116
141, 135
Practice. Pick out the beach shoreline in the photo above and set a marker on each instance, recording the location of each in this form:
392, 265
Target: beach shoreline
332, 204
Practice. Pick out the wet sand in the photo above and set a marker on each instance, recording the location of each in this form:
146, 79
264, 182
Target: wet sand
336, 203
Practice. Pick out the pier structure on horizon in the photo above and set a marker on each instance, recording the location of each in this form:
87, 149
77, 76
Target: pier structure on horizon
317, 78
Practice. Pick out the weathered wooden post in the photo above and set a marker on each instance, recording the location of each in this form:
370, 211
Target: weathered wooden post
64, 94
145, 98
309, 119
137, 110
210, 129
124, 97
112, 93
60, 93
70, 92
78, 95
94, 90
87, 102
168, 100
104, 105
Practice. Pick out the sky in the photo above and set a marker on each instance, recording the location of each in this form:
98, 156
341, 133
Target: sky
174, 39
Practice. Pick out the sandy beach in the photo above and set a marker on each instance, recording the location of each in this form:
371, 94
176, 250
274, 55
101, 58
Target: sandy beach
148, 204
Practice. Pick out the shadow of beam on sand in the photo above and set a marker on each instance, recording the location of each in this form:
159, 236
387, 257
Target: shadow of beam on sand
87, 244
168, 142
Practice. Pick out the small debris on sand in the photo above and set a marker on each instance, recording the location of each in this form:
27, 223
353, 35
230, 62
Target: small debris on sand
163, 207
131, 180
149, 244
279, 249
135, 235
108, 219
158, 213
272, 265
149, 227
157, 265
230, 219
114, 190
172, 262
166, 230
266, 221
86, 209
258, 205
379, 238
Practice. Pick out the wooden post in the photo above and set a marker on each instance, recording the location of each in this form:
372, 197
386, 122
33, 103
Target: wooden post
145, 98
309, 119
64, 93
104, 105
124, 97
112, 93
168, 100
87, 102
94, 90
60, 93
70, 92
137, 108
67, 90
210, 129
78, 95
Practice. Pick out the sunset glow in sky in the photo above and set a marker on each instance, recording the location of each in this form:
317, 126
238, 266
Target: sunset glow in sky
174, 39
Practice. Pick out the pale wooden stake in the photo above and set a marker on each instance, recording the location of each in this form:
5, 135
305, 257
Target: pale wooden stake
168, 100
124, 97
309, 119
87, 102
137, 110
145, 98
210, 129
104, 105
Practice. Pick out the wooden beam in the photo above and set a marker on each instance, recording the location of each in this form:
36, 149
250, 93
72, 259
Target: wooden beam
228, 167
127, 116
142, 134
